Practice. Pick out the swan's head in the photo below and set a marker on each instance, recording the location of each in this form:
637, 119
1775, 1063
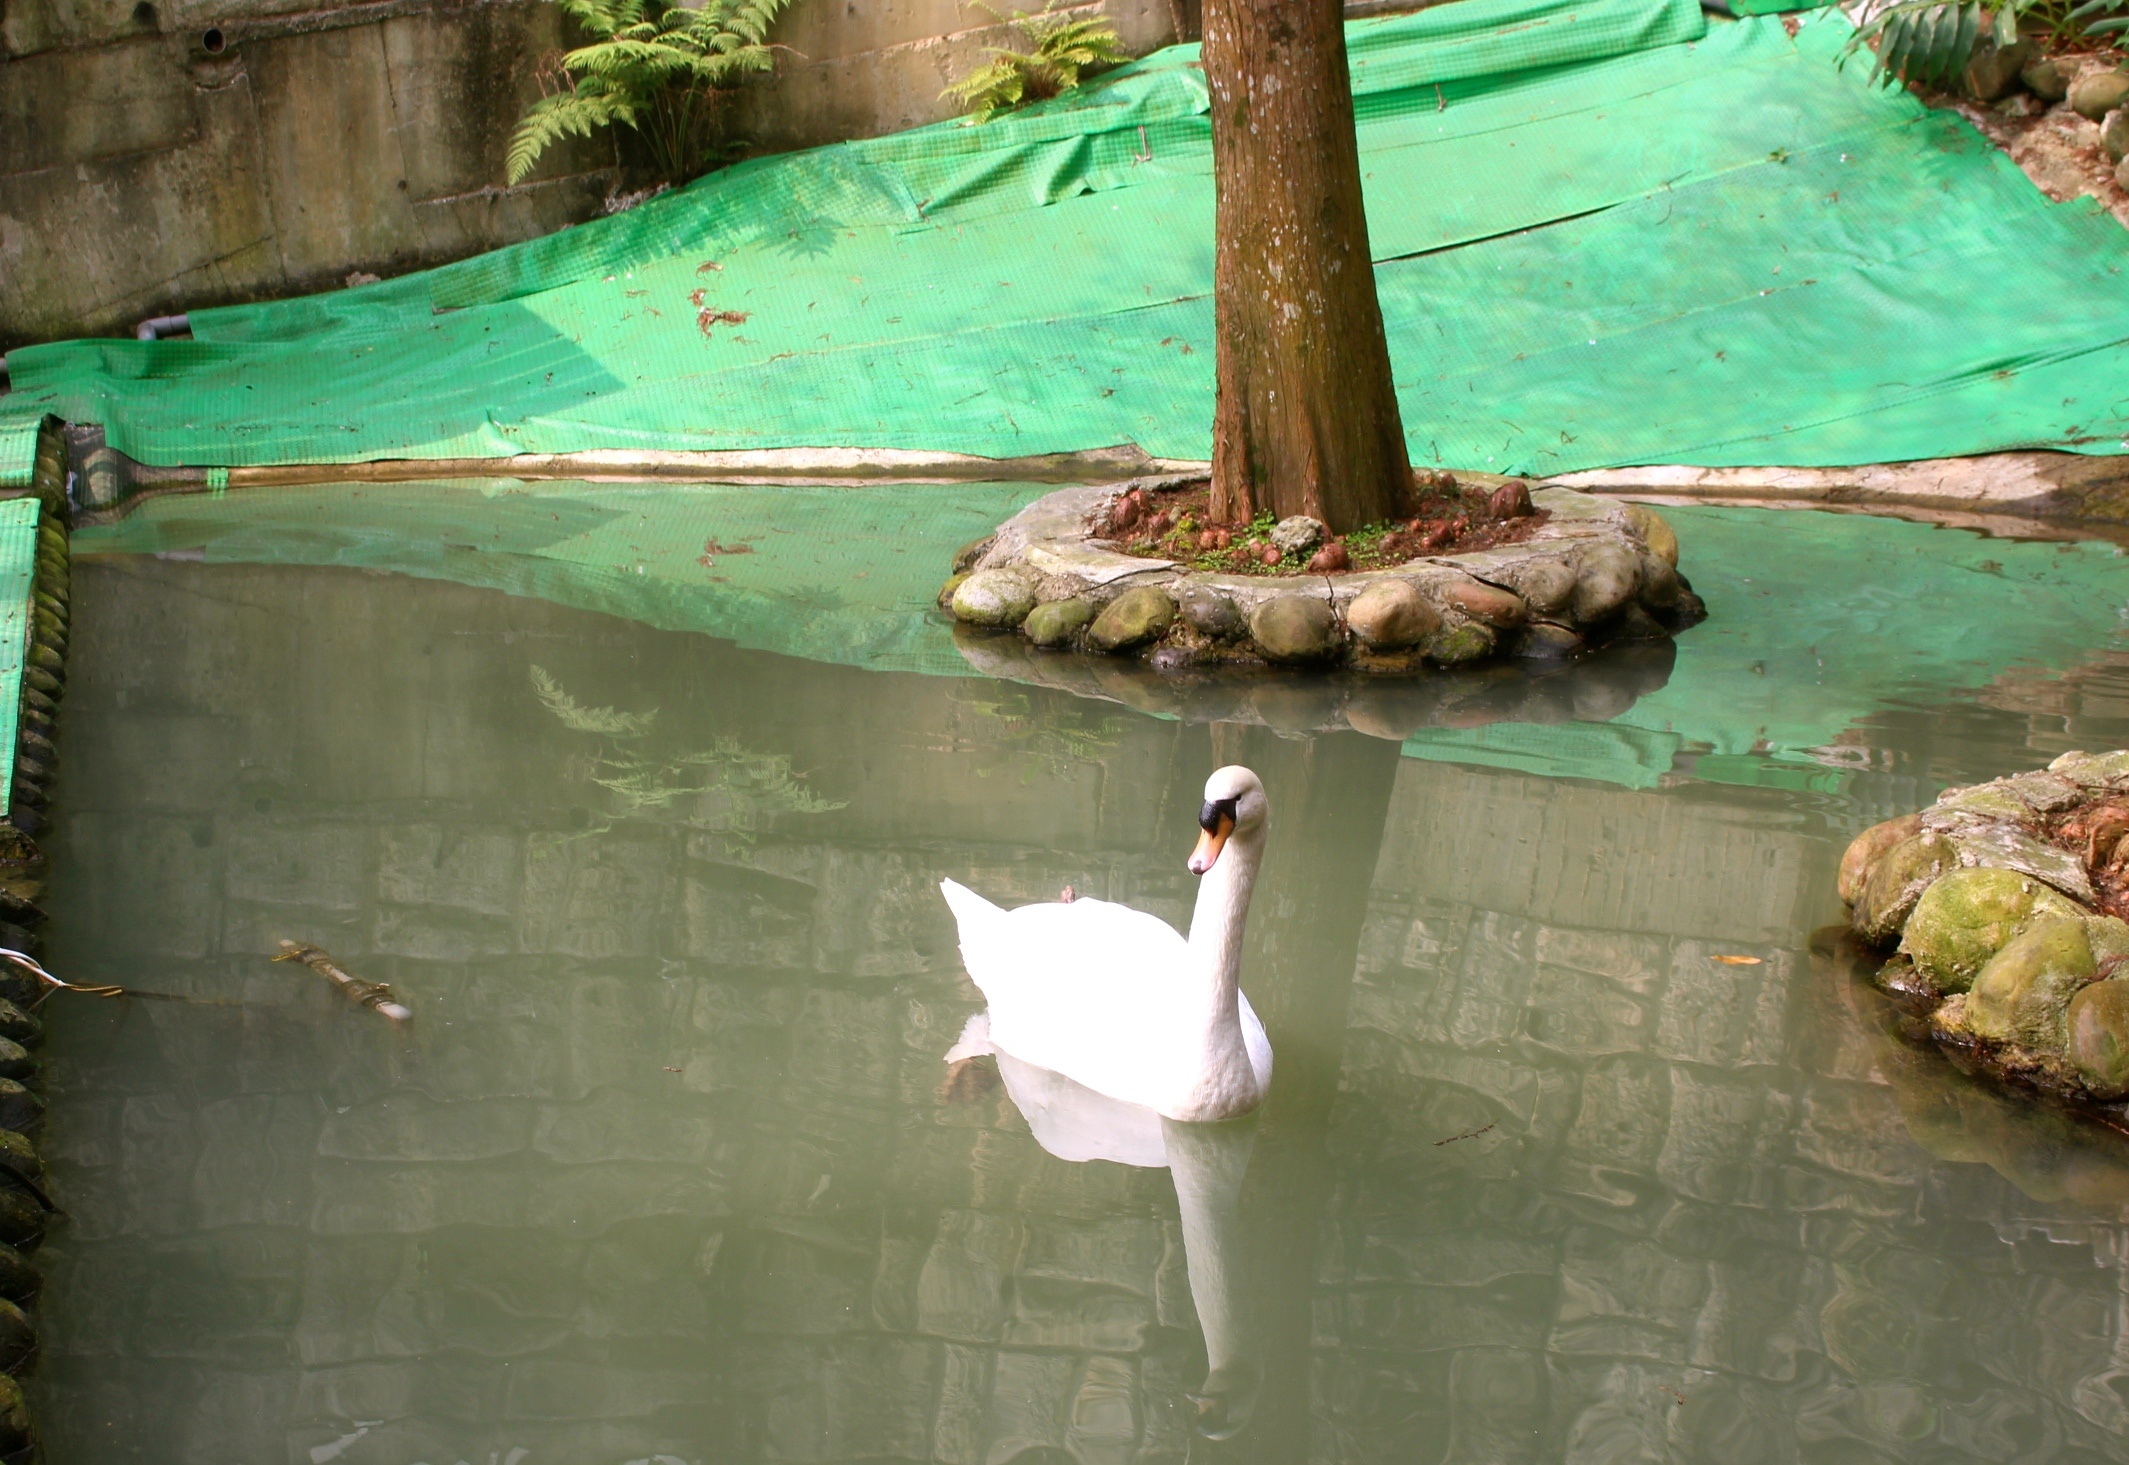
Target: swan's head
1234, 802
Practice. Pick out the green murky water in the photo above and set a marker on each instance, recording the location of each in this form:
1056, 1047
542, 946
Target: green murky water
664, 1171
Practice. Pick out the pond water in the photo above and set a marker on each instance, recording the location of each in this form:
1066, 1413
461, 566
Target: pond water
1580, 1147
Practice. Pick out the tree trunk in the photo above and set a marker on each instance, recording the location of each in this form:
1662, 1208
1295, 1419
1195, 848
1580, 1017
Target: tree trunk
1306, 420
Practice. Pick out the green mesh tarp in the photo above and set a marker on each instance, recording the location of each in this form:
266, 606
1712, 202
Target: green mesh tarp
1606, 234
18, 452
18, 568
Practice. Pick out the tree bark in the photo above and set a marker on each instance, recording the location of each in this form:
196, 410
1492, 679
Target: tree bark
1306, 420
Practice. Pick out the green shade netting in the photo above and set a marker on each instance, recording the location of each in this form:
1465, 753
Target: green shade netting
1817, 620
18, 569
1605, 235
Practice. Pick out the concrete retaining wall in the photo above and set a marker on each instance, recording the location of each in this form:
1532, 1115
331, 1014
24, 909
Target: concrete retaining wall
144, 172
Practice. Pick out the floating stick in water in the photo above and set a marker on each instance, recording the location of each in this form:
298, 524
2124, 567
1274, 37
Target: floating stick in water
376, 996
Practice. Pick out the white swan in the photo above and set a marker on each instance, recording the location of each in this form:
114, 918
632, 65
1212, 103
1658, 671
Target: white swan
1114, 999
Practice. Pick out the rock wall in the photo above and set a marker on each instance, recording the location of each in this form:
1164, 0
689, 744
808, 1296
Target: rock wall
1700, 1226
169, 154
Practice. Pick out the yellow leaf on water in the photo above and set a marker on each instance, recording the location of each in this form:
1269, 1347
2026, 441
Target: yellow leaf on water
1740, 960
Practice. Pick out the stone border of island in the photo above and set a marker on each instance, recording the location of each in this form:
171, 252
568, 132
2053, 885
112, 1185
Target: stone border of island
2001, 951
25, 1207
1594, 572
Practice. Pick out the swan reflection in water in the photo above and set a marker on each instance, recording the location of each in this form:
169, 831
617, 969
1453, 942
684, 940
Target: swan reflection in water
1206, 1161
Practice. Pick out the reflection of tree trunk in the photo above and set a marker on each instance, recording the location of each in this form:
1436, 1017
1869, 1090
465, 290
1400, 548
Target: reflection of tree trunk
1330, 797
1305, 417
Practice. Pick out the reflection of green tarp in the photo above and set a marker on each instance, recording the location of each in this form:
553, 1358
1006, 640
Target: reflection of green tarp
830, 574
1816, 620
1606, 234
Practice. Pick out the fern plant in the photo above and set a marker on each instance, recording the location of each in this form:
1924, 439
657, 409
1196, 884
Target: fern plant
654, 66
1930, 42
1059, 48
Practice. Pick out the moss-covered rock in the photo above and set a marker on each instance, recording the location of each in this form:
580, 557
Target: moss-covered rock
2098, 1023
1896, 881
1606, 577
1294, 628
19, 1025
1471, 641
2022, 994
1391, 614
1985, 801
1056, 623
1865, 848
2109, 938
1132, 619
19, 1281
2092, 770
997, 598
1967, 916
1210, 613
1658, 535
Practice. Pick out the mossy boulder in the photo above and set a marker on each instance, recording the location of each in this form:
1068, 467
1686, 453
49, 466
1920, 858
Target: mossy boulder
1865, 848
2022, 994
2098, 1024
2092, 770
1605, 580
15, 1438
19, 1025
997, 598
1210, 613
19, 1281
2109, 938
1967, 916
1896, 881
1658, 535
1294, 628
1056, 623
1985, 801
1391, 614
1471, 641
1132, 619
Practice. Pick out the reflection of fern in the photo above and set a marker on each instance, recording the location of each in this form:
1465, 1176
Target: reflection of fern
740, 790
588, 719
1058, 745
1059, 48
654, 66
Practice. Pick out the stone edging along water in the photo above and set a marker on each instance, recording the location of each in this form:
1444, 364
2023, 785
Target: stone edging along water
1594, 573
2002, 950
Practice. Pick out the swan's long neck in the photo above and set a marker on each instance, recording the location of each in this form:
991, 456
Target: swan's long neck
1227, 1085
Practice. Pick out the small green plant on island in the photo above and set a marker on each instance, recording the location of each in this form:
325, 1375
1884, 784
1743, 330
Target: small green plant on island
1059, 49
1930, 43
656, 67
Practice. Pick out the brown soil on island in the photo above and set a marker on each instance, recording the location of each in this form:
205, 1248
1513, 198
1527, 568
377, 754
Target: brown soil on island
2096, 831
1447, 518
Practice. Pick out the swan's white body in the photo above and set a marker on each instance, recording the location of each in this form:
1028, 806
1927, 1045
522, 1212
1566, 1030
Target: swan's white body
1116, 1000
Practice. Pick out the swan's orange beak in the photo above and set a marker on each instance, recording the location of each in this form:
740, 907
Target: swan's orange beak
1210, 843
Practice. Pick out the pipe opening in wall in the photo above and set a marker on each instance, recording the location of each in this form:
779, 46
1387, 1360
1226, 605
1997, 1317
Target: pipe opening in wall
213, 40
145, 17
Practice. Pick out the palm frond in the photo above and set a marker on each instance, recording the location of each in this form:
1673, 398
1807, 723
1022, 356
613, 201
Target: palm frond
2100, 17
1929, 41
